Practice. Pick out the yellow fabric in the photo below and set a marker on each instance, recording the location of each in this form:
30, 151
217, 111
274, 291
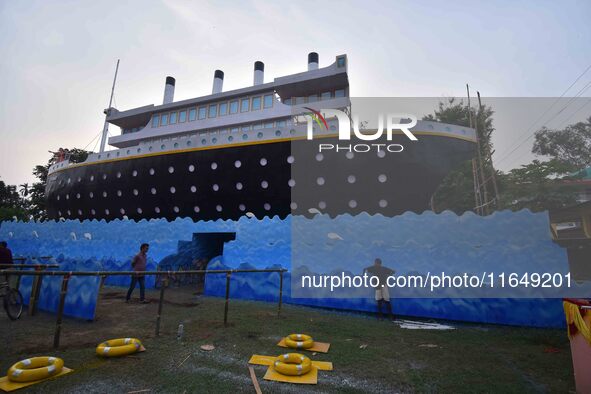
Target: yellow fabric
319, 347
35, 368
309, 378
269, 360
118, 347
7, 386
293, 364
573, 316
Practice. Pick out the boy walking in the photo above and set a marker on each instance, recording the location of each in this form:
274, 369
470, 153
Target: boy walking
139, 265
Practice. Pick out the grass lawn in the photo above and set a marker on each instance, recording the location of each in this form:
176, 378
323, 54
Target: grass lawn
368, 355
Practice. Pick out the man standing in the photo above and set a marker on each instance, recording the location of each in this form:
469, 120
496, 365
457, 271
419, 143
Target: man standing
5, 256
139, 265
382, 293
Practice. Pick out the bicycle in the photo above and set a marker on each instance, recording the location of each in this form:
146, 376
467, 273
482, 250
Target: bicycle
13, 300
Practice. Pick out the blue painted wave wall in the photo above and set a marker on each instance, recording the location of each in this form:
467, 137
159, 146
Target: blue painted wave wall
410, 242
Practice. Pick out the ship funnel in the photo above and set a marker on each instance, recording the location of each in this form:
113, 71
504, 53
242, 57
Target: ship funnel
312, 61
218, 81
168, 90
259, 73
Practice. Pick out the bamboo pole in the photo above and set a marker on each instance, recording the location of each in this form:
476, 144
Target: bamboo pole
228, 275
60, 312
280, 293
160, 302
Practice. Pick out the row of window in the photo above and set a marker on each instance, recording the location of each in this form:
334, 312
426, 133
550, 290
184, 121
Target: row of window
314, 97
231, 107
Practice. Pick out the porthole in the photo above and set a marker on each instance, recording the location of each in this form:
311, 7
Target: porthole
267, 206
291, 183
152, 172
214, 165
150, 148
203, 141
263, 162
176, 144
67, 196
156, 209
139, 150
162, 147
135, 192
381, 154
244, 137
172, 189
118, 153
196, 209
108, 155
264, 184
218, 208
105, 194
352, 204
104, 176
107, 212
293, 206
237, 163
278, 133
128, 151
58, 197
320, 181
322, 205
189, 143
238, 186
230, 138
79, 179
78, 195
69, 213
383, 203
134, 173
319, 157
193, 189
191, 168
118, 174
292, 131
91, 195
119, 193
139, 210
175, 209
349, 155
382, 178
59, 213
92, 178
153, 190
214, 140
259, 135
170, 169
122, 211
290, 159
215, 187
92, 212
242, 207
351, 179
99, 156
69, 180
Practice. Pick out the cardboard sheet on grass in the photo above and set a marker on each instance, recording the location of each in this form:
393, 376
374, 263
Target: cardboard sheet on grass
7, 385
309, 378
319, 347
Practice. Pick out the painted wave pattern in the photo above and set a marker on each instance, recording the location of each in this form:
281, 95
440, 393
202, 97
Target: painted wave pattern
409, 241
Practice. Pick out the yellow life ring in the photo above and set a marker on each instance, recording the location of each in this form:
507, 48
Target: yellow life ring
299, 341
118, 347
293, 364
35, 368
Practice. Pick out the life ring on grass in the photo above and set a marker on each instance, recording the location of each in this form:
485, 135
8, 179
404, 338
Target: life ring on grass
118, 347
35, 368
292, 364
299, 341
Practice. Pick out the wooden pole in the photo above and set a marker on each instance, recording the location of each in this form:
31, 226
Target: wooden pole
280, 293
228, 276
160, 302
35, 290
60, 312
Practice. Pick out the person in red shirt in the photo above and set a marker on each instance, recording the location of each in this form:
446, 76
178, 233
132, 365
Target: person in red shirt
5, 256
139, 265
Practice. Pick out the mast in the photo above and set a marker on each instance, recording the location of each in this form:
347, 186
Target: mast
106, 125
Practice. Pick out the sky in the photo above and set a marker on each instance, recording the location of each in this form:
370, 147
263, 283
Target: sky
58, 59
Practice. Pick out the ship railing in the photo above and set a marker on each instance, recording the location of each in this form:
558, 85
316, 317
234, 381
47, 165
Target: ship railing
66, 275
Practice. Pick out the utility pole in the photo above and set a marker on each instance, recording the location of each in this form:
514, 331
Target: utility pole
106, 125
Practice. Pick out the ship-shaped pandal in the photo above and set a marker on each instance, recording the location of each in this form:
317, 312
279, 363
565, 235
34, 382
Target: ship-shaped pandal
235, 153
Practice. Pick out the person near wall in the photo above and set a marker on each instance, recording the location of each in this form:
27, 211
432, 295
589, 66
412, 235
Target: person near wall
382, 293
139, 265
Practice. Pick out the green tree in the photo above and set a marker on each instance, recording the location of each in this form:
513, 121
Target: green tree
456, 191
11, 203
37, 191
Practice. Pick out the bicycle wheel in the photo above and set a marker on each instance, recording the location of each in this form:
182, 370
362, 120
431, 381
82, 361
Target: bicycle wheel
13, 304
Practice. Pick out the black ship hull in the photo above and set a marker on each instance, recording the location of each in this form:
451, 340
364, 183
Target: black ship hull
271, 178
